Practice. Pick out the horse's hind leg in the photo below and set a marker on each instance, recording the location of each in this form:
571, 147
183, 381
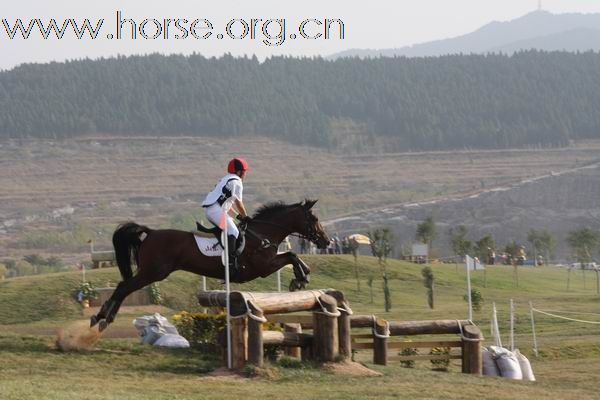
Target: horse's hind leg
111, 307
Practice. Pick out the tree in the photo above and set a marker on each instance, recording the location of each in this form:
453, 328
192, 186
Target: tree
513, 250
381, 247
353, 244
583, 242
426, 231
11, 266
428, 279
483, 245
542, 242
460, 245
24, 268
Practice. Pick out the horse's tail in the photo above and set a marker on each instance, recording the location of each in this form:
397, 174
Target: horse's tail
126, 241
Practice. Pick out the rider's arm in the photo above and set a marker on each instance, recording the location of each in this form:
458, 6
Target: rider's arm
239, 206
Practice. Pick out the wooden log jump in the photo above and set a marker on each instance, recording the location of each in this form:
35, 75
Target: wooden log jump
331, 322
469, 343
249, 311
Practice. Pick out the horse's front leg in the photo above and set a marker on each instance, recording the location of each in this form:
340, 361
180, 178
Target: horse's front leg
301, 270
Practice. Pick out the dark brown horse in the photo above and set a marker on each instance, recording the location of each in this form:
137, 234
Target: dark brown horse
157, 253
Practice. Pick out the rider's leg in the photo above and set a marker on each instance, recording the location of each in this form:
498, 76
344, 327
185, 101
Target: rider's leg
232, 235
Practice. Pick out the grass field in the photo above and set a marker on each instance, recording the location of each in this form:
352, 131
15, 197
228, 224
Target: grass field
121, 368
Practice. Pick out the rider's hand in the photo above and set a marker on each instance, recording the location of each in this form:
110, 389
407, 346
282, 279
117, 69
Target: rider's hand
245, 219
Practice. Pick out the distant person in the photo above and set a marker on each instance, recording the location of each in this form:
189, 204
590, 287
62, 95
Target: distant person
521, 256
224, 201
285, 246
491, 256
346, 245
337, 248
303, 249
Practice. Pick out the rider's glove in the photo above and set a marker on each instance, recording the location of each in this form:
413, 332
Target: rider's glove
245, 219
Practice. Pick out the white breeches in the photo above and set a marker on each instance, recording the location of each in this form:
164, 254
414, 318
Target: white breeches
214, 213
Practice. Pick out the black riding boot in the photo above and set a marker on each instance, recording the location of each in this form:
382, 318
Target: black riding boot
234, 269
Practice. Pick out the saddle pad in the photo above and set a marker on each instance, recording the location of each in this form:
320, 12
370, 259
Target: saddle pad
203, 234
210, 247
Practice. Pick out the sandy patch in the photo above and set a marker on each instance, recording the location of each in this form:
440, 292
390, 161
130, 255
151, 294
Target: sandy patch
349, 368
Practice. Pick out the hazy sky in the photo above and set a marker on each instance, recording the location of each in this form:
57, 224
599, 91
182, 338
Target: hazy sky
368, 24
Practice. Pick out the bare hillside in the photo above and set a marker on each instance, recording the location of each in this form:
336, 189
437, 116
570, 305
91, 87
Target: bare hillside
57, 194
558, 202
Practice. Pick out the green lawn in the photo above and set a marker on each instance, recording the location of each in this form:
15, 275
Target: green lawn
121, 368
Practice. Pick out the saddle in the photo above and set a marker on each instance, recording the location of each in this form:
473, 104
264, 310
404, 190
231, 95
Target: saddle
215, 231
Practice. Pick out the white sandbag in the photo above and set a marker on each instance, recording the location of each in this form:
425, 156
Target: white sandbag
172, 340
156, 319
153, 327
489, 365
507, 363
151, 334
526, 369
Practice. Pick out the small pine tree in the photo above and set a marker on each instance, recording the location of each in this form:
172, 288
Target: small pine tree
428, 283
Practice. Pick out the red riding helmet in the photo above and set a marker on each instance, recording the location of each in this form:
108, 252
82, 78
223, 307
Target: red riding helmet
237, 164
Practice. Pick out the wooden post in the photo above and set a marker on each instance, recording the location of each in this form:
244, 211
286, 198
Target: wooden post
344, 334
472, 362
326, 342
380, 340
239, 335
255, 339
292, 351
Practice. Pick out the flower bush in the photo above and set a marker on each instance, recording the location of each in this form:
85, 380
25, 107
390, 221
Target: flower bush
440, 365
86, 291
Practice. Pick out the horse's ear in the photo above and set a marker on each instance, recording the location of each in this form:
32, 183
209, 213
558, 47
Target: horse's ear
308, 204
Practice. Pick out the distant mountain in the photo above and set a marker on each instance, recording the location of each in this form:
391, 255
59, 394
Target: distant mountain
536, 30
580, 39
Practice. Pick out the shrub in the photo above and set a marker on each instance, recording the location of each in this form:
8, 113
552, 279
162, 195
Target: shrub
476, 299
200, 329
290, 362
409, 351
155, 295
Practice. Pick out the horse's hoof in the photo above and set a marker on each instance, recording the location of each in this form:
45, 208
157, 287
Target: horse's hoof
93, 321
292, 286
296, 284
103, 325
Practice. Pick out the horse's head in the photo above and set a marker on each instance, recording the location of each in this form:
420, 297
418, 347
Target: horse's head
310, 226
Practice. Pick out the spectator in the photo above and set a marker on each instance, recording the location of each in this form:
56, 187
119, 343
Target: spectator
336, 244
345, 245
491, 256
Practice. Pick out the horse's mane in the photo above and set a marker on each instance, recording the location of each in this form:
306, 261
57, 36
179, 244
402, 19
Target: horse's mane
269, 209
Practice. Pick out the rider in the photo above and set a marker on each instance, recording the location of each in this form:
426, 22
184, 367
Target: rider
226, 197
